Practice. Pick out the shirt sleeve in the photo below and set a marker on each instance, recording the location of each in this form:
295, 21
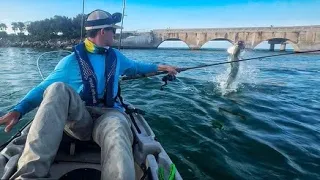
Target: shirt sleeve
35, 95
130, 68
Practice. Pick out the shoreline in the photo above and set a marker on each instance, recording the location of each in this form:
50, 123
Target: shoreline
50, 44
67, 44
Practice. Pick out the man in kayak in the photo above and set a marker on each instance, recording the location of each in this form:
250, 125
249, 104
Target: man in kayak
234, 52
80, 98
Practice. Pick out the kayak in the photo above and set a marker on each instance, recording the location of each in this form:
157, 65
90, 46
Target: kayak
81, 159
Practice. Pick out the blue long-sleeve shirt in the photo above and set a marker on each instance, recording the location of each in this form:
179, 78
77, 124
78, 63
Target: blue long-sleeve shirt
68, 71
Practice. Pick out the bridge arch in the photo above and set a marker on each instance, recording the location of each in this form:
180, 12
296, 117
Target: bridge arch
173, 39
284, 40
225, 42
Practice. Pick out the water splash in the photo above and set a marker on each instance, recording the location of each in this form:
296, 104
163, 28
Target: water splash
246, 75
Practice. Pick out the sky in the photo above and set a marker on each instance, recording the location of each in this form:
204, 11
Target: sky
144, 15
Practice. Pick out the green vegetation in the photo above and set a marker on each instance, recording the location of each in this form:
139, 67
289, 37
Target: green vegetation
57, 27
3, 27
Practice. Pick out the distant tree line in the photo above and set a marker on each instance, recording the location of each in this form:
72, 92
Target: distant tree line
3, 28
52, 28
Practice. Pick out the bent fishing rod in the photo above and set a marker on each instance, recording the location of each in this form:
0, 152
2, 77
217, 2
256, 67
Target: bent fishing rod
213, 64
170, 77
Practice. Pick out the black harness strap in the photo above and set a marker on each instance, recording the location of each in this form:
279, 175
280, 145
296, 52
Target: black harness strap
129, 110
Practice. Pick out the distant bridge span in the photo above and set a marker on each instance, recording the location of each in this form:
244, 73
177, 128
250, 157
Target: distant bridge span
300, 37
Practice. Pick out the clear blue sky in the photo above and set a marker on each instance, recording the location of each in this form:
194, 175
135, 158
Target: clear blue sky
152, 14
144, 15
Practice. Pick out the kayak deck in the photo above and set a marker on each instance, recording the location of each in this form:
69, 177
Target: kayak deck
81, 159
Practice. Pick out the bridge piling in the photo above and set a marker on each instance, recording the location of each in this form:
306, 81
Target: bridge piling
283, 46
271, 47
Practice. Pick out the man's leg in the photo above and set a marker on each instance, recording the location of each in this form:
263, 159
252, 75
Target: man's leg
60, 103
112, 132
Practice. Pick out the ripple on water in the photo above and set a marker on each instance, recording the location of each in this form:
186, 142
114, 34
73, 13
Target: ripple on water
267, 129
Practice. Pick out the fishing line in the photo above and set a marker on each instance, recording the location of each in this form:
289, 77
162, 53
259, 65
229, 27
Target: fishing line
170, 77
38, 66
213, 64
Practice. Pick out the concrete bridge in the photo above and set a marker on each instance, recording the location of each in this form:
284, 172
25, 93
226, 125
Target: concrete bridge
300, 37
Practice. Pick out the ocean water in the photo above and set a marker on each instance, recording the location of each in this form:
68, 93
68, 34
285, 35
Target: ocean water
267, 126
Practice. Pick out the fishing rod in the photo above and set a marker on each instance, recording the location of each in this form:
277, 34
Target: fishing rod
40, 72
170, 77
123, 8
82, 21
213, 64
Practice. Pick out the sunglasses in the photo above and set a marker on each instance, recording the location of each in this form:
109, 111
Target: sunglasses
111, 29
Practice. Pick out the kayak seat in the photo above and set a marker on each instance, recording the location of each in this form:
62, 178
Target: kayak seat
74, 150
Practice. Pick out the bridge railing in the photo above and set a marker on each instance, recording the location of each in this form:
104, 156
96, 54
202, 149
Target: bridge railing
246, 29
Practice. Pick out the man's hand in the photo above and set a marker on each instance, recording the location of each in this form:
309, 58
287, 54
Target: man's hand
170, 69
10, 119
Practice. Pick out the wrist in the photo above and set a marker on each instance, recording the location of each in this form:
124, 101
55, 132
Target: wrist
16, 113
162, 68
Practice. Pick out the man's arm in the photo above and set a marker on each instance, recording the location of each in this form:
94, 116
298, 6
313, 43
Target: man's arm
35, 96
129, 67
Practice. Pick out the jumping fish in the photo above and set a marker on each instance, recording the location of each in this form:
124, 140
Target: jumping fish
234, 53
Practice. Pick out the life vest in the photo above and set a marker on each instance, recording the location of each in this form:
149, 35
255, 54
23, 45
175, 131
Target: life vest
89, 92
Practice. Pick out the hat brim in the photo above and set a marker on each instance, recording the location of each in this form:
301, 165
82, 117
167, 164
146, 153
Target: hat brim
103, 26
